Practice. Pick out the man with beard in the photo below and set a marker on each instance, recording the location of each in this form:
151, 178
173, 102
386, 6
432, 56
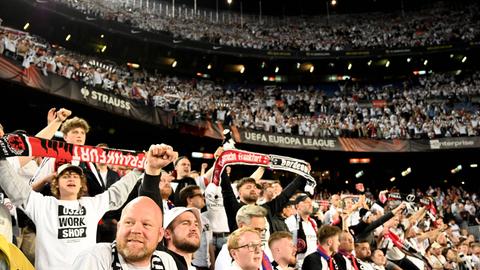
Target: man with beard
192, 197
182, 234
328, 243
283, 250
138, 233
344, 258
249, 193
303, 227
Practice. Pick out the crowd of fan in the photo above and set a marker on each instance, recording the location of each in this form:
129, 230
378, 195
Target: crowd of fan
436, 228
432, 106
434, 26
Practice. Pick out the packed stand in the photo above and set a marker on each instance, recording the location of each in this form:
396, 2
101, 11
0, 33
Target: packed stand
442, 24
174, 217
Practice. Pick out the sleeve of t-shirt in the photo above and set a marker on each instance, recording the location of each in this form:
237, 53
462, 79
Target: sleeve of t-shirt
35, 206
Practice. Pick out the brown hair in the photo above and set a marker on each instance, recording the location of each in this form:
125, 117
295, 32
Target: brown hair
278, 236
185, 193
75, 122
244, 181
327, 231
54, 188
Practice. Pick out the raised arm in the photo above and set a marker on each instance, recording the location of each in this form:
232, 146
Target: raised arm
150, 184
14, 186
158, 156
55, 120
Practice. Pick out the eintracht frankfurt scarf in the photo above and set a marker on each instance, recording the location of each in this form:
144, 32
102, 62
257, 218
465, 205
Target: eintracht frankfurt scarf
236, 157
22, 145
155, 264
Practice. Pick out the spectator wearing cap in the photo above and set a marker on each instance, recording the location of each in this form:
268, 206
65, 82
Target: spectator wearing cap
67, 221
182, 235
303, 228
370, 220
328, 243
278, 220
138, 234
192, 197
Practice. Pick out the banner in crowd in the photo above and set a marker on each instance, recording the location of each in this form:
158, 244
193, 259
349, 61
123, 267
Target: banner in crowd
353, 144
276, 162
22, 145
67, 88
59, 86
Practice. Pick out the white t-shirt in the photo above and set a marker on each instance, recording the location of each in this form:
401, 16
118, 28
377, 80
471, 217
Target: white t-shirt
215, 210
64, 228
100, 257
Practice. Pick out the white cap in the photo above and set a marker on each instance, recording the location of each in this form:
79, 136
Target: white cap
173, 213
70, 167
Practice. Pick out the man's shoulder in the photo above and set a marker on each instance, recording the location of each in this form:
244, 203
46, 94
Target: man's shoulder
167, 259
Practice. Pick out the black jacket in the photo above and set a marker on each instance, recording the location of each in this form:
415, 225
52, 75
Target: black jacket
274, 206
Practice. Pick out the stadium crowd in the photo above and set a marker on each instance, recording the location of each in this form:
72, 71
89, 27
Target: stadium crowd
58, 214
432, 106
85, 215
442, 24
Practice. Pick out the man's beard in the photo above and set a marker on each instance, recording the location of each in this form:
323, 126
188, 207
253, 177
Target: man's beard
130, 256
249, 198
186, 246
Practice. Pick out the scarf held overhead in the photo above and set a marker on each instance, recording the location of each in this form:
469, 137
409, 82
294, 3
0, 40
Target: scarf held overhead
22, 145
237, 157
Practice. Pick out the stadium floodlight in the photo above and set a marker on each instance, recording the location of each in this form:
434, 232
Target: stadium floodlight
407, 172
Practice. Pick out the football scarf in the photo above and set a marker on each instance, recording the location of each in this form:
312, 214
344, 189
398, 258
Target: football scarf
275, 162
22, 145
155, 264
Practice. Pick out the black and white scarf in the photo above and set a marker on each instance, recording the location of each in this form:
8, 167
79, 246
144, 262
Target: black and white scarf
156, 262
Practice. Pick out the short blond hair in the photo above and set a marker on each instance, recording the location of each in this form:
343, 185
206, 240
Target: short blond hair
233, 239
